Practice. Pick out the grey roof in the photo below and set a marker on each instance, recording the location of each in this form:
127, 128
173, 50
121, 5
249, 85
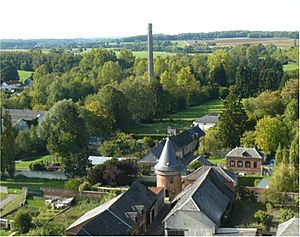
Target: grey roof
167, 160
98, 160
209, 118
289, 228
263, 183
204, 161
179, 141
116, 217
223, 174
25, 114
243, 152
210, 195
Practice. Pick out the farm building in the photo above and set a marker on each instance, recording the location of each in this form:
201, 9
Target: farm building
207, 121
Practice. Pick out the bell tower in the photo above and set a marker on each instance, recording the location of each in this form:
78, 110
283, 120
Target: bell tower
168, 171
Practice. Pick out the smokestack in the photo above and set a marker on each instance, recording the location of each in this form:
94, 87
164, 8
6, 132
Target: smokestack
150, 51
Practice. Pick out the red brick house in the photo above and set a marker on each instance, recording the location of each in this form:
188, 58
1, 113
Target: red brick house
244, 160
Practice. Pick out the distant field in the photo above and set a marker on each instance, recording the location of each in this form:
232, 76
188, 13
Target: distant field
24, 165
227, 42
23, 75
180, 43
180, 120
290, 67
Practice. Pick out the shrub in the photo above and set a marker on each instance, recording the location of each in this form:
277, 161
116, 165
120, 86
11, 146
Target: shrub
72, 184
195, 165
249, 180
247, 195
262, 217
23, 221
256, 182
286, 214
37, 166
84, 186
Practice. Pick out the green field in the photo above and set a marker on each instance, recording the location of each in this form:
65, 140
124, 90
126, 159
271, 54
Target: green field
13, 204
23, 75
290, 67
180, 120
180, 43
216, 160
24, 165
32, 183
3, 196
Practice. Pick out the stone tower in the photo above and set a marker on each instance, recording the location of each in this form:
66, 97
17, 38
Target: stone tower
168, 171
150, 51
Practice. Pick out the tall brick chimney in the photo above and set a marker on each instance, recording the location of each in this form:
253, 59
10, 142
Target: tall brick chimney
150, 51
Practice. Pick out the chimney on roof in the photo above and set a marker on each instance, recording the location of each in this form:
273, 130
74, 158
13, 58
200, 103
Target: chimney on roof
150, 52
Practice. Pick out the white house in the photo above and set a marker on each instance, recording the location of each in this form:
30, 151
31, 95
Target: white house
207, 121
99, 160
10, 86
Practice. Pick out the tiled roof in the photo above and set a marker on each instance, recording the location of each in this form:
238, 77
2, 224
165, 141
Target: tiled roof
243, 152
289, 228
207, 194
209, 118
25, 114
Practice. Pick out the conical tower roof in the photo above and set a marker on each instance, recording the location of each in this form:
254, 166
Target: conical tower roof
167, 160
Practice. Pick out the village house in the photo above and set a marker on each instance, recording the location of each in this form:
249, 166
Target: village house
184, 143
207, 121
22, 119
200, 208
10, 86
127, 214
244, 160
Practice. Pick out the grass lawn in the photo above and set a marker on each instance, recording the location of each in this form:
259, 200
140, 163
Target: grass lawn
23, 75
3, 196
32, 183
180, 120
217, 160
13, 204
290, 67
24, 164
5, 233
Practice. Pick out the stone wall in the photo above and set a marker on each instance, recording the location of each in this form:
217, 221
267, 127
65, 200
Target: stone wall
41, 174
56, 192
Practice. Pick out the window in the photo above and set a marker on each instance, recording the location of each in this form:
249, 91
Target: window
175, 232
171, 180
240, 163
167, 193
247, 164
232, 163
255, 164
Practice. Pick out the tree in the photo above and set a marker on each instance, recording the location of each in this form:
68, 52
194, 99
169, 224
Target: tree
278, 156
270, 132
126, 58
110, 72
247, 80
284, 179
8, 71
7, 146
232, 121
248, 139
23, 221
65, 132
262, 217
211, 141
218, 75
294, 151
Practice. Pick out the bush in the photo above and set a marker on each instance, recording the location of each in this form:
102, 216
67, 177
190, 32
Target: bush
84, 186
37, 166
195, 165
249, 180
262, 217
286, 214
247, 195
144, 169
72, 184
23, 221
256, 182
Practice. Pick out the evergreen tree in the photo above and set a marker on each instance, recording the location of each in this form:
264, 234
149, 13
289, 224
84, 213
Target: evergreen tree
232, 121
285, 156
278, 156
247, 80
294, 152
7, 146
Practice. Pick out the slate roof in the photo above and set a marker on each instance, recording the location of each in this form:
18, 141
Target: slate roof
289, 228
223, 174
116, 217
243, 152
167, 160
25, 114
208, 194
204, 161
178, 141
209, 118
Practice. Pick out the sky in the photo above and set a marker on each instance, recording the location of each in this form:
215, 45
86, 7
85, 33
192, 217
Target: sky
33, 19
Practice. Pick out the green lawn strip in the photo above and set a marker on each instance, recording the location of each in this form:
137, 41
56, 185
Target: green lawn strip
32, 183
290, 67
3, 196
24, 165
217, 160
23, 75
5, 232
181, 120
13, 204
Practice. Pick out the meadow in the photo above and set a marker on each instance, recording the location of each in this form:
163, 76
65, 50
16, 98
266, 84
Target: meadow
23, 75
290, 67
24, 164
180, 120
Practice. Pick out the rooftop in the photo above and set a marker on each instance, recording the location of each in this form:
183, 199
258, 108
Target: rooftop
289, 228
243, 152
209, 118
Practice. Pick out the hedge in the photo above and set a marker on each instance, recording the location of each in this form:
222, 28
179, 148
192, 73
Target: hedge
249, 180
